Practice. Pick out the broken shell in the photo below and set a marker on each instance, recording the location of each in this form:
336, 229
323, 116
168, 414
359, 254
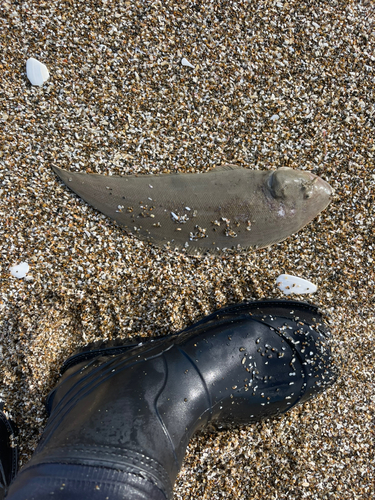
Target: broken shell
20, 270
36, 72
185, 62
293, 284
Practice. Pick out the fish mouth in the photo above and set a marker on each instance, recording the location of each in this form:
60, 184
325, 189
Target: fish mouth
317, 189
323, 186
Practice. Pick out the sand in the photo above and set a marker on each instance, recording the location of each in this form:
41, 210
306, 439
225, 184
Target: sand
274, 84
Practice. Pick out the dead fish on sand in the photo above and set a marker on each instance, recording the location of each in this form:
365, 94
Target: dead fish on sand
227, 207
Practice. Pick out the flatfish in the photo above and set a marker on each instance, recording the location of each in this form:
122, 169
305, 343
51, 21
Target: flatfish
226, 208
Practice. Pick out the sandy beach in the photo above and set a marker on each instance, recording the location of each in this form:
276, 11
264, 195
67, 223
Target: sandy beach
273, 84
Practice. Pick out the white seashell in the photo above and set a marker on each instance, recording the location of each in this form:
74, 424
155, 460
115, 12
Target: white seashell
274, 117
36, 72
20, 271
292, 284
185, 62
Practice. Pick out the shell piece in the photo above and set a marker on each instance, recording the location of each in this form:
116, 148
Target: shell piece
36, 71
293, 284
20, 270
226, 208
185, 62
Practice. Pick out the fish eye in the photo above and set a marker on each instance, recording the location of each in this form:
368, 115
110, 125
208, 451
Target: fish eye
277, 184
270, 180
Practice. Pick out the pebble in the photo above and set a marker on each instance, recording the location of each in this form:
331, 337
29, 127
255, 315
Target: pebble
119, 102
185, 62
293, 284
36, 71
20, 270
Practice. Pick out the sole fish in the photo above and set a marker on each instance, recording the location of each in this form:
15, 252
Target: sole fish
228, 207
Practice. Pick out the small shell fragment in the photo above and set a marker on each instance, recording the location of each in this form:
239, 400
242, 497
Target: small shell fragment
185, 62
293, 284
20, 270
36, 72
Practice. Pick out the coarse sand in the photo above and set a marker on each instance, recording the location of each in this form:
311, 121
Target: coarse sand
273, 83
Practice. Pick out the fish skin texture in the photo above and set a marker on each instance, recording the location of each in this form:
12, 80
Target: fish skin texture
226, 208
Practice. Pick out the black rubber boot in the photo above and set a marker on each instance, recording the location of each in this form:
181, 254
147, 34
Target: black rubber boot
122, 415
8, 452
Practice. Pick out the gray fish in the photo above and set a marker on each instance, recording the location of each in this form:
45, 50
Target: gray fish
227, 207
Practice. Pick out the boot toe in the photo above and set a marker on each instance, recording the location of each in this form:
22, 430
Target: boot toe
261, 359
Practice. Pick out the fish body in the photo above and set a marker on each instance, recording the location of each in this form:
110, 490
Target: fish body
227, 207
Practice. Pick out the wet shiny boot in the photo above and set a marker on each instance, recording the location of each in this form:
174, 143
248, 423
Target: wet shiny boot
123, 413
8, 452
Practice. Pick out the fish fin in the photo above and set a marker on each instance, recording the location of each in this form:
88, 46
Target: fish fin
228, 166
202, 252
60, 172
66, 176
